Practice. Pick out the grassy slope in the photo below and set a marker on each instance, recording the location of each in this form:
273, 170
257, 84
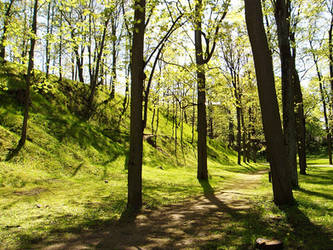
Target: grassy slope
58, 181
57, 187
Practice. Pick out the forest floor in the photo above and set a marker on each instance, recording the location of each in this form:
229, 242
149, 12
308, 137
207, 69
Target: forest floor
199, 221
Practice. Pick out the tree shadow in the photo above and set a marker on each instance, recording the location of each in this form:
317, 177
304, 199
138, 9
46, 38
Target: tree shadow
319, 237
326, 196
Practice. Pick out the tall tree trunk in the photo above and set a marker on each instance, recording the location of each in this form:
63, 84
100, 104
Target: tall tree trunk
300, 119
210, 119
95, 75
60, 49
239, 135
114, 58
289, 122
330, 48
202, 173
134, 201
27, 98
49, 30
4, 30
193, 118
231, 136
282, 190
330, 44
322, 93
244, 149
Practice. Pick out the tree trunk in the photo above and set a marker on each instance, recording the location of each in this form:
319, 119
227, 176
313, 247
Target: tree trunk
48, 32
94, 83
239, 136
282, 190
202, 173
27, 99
231, 136
114, 58
289, 123
134, 201
330, 44
193, 119
322, 93
244, 146
60, 50
300, 119
4, 31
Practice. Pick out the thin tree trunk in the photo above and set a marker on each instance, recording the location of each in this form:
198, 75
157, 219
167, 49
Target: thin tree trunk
282, 190
193, 118
134, 201
60, 49
27, 98
330, 44
4, 30
300, 119
48, 32
114, 58
244, 148
239, 136
231, 136
94, 83
322, 93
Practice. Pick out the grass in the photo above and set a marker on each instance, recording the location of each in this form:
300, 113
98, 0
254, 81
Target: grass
71, 173
308, 224
71, 176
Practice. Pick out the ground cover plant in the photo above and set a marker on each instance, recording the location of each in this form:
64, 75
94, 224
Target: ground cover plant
71, 178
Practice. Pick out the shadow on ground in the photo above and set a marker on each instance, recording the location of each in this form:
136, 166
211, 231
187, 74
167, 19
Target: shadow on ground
217, 219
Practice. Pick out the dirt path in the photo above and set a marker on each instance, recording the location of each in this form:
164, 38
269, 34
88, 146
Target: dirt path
188, 224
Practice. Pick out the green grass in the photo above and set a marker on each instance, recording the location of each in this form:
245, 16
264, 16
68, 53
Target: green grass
71, 175
308, 224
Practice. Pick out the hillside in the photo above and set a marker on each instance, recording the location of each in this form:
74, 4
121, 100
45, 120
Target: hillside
71, 172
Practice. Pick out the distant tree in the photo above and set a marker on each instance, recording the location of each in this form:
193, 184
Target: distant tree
282, 190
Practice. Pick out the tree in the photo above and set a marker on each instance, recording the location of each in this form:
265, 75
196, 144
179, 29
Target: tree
282, 190
202, 58
323, 100
298, 96
6, 21
29, 75
134, 201
282, 18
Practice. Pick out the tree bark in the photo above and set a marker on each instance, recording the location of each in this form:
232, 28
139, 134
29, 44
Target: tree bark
300, 119
27, 98
4, 31
49, 30
239, 135
134, 201
202, 172
282, 190
322, 93
289, 122
95, 74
